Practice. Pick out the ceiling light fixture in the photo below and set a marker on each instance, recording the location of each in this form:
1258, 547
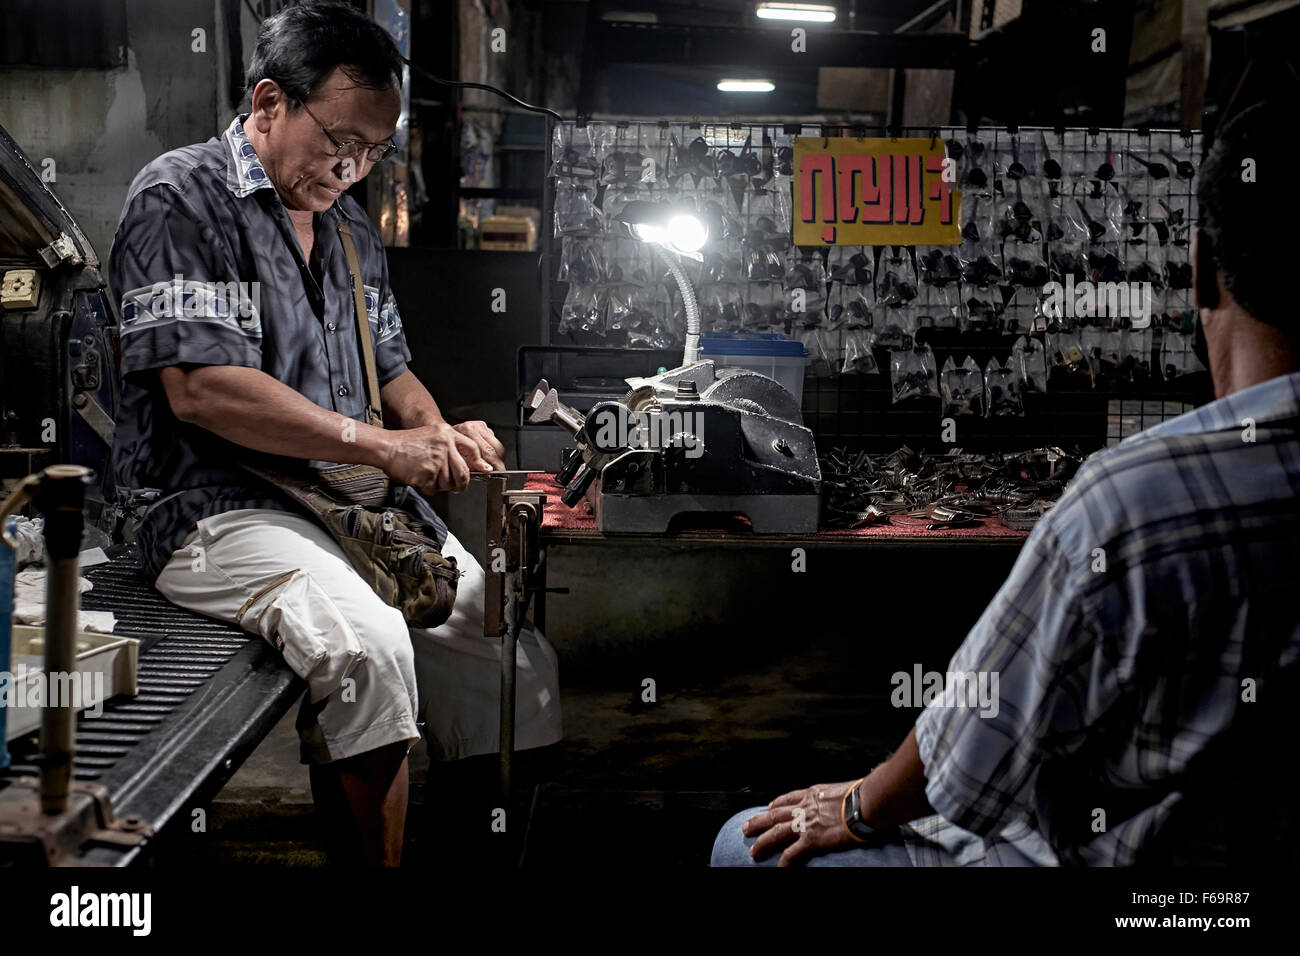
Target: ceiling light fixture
809, 12
630, 16
746, 86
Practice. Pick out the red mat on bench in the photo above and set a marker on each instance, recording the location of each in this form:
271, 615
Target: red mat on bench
559, 516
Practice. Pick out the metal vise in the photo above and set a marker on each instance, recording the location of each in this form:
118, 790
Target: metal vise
696, 439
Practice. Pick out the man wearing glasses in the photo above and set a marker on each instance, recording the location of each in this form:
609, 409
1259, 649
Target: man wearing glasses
257, 358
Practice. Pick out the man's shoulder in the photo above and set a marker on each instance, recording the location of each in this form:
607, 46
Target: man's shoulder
363, 230
350, 211
183, 169
1119, 486
1165, 486
1099, 508
369, 244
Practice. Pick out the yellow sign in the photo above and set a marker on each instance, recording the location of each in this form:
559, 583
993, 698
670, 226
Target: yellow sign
874, 192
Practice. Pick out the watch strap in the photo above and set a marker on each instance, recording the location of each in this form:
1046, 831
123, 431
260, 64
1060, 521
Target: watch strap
845, 812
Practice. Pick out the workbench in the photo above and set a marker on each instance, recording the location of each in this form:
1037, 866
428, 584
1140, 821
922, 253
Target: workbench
720, 578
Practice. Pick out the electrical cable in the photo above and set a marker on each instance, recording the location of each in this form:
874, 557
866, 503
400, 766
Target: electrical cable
466, 85
461, 84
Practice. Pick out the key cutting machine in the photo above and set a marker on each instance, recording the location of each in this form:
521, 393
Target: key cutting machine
694, 439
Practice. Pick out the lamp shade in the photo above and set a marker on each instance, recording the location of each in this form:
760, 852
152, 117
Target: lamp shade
667, 224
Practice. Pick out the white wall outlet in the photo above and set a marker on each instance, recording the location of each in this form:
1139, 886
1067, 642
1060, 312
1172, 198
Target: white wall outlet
20, 290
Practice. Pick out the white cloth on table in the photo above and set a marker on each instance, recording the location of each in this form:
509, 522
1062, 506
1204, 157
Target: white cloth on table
29, 603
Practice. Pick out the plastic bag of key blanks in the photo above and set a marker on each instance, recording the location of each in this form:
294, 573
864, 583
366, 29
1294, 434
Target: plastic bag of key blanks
1073, 372
1043, 206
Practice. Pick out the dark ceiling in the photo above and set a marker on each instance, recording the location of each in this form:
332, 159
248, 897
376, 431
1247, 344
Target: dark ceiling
665, 57
883, 15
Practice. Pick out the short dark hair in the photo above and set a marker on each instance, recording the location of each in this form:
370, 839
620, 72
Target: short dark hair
1246, 229
302, 45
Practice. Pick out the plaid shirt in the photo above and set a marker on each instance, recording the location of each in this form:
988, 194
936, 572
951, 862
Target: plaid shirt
1160, 586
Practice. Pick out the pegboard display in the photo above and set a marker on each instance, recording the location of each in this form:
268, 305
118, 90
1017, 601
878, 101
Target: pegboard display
1065, 313
613, 290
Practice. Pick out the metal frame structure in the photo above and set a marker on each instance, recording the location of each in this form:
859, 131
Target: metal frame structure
855, 411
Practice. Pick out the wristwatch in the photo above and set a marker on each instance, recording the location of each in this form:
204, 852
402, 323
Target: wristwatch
860, 829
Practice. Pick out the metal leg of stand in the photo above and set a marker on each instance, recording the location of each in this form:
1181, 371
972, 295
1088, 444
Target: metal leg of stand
539, 598
513, 518
509, 643
8, 529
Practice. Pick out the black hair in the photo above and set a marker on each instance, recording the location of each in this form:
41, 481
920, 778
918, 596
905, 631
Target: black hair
1244, 231
302, 44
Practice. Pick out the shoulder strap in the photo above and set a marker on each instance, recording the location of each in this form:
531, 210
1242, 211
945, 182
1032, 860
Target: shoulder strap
374, 410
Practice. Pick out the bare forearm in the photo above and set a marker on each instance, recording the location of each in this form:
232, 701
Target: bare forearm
408, 404
894, 792
250, 408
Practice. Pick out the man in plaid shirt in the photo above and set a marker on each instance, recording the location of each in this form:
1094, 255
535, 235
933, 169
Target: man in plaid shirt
1148, 637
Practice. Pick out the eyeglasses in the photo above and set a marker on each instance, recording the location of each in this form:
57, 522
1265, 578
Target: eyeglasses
374, 152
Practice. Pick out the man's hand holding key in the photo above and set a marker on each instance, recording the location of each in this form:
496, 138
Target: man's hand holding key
440, 457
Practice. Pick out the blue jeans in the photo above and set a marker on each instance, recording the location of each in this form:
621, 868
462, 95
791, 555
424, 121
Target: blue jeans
731, 848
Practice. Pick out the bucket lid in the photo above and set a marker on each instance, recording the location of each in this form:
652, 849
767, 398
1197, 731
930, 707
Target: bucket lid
751, 343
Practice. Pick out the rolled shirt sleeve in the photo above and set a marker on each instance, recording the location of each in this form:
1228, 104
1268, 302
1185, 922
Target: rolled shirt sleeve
180, 297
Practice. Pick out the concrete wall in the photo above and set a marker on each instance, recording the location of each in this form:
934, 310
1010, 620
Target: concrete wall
100, 126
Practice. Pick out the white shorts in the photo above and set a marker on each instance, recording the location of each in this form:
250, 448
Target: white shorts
368, 674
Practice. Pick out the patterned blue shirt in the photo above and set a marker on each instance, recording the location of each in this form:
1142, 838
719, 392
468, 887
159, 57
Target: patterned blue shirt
208, 270
1149, 624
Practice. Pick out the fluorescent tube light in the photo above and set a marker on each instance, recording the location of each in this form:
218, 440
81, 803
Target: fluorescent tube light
746, 86
811, 12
